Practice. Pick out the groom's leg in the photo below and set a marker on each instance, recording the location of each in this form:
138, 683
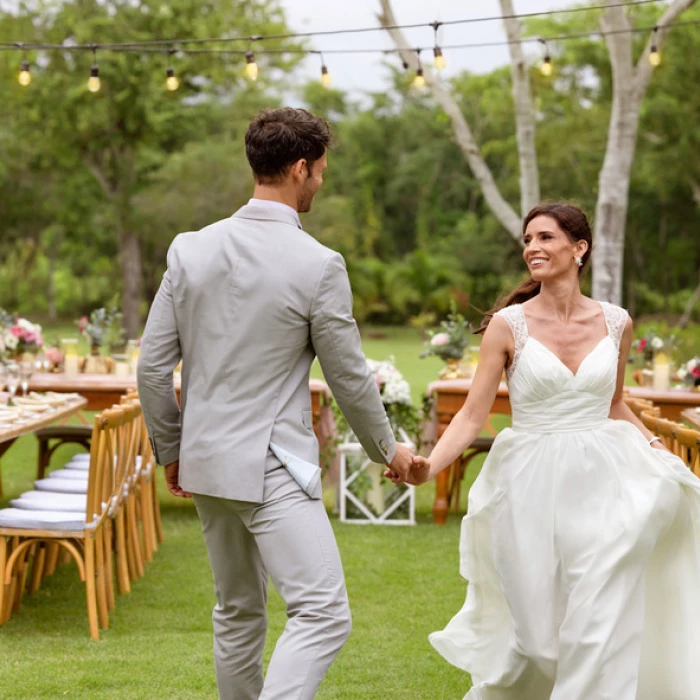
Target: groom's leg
240, 582
298, 548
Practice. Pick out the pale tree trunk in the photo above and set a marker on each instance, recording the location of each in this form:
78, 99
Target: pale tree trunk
629, 87
116, 188
524, 112
688, 310
130, 260
462, 132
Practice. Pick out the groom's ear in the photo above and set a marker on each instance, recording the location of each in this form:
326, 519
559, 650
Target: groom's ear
299, 170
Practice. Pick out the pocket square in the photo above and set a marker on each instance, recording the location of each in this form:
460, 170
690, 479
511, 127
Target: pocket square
306, 474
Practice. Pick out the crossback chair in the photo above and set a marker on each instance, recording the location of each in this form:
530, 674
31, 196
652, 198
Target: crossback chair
87, 536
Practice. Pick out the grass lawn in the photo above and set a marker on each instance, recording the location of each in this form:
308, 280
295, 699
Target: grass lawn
403, 583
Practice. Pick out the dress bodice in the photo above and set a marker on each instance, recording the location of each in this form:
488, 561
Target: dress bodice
545, 395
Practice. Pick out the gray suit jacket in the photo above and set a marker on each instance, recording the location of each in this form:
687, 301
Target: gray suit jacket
247, 303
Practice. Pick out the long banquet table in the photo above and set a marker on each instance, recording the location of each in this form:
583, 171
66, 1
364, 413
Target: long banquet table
11, 431
104, 390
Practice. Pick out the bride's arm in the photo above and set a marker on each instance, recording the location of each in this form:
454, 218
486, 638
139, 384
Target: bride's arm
496, 348
619, 410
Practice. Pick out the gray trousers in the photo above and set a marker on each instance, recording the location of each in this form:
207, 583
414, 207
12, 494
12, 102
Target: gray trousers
289, 538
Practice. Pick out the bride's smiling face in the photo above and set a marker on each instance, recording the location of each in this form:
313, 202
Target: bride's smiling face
549, 252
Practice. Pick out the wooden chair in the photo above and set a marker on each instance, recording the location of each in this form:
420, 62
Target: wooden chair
53, 437
87, 537
639, 406
689, 443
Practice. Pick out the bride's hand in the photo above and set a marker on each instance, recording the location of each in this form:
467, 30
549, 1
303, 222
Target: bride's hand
418, 474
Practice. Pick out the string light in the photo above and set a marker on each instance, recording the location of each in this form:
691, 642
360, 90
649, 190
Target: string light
546, 67
171, 81
25, 77
326, 79
439, 59
654, 55
94, 83
251, 67
419, 81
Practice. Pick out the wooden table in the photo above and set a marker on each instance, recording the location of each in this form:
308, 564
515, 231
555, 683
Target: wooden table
692, 417
104, 390
672, 402
449, 396
10, 432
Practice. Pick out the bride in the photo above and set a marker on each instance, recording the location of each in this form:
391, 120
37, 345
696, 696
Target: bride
582, 540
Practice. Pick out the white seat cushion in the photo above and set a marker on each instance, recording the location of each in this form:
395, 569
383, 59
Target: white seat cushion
81, 457
46, 500
78, 466
61, 485
68, 474
41, 519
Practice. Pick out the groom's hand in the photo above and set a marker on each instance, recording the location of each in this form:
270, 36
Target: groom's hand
417, 475
401, 464
172, 479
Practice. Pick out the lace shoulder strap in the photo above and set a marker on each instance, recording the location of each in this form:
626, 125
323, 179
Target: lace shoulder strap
616, 320
515, 318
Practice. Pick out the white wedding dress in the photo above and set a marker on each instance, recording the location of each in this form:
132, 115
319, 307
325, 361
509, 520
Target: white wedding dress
581, 545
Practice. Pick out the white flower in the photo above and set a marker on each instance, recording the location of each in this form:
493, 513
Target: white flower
439, 339
682, 372
692, 364
657, 343
396, 391
11, 341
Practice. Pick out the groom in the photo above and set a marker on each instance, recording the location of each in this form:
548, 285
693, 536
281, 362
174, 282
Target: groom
247, 303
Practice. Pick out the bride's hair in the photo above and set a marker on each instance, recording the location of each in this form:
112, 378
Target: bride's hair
573, 222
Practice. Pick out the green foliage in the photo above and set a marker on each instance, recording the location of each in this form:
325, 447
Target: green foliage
450, 339
104, 327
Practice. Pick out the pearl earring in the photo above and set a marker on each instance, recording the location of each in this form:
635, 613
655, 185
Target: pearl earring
578, 261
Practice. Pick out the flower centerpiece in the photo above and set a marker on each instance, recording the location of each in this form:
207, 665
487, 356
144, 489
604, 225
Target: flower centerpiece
18, 336
102, 328
448, 342
689, 372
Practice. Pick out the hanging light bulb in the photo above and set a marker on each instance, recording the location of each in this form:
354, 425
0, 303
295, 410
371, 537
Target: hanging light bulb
251, 67
25, 77
326, 79
94, 83
654, 55
419, 81
546, 67
94, 80
440, 61
171, 81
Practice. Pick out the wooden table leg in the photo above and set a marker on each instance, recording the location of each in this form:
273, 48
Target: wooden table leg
4, 447
442, 485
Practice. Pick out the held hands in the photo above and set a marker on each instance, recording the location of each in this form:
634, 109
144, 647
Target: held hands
172, 480
418, 472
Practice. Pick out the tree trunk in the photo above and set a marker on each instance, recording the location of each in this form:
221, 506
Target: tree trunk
130, 259
524, 112
463, 135
629, 87
688, 311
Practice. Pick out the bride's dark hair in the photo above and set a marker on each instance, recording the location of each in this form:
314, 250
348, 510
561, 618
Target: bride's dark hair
573, 222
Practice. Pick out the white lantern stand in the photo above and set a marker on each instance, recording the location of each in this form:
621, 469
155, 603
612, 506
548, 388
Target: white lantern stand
370, 506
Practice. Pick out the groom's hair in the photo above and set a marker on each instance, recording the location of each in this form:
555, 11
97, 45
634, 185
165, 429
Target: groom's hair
278, 138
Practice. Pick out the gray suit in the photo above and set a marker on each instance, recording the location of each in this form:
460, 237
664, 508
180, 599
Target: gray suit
247, 303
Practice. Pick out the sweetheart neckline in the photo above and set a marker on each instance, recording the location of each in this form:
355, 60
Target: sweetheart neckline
559, 360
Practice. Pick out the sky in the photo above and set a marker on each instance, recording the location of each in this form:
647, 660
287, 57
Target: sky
359, 73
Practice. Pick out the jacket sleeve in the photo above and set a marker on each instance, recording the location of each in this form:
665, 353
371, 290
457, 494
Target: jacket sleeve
337, 344
160, 354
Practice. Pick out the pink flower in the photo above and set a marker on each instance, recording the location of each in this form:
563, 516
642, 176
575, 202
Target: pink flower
29, 337
696, 372
82, 324
642, 345
54, 356
16, 331
440, 339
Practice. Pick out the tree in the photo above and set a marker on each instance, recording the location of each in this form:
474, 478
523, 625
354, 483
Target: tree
125, 132
630, 83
